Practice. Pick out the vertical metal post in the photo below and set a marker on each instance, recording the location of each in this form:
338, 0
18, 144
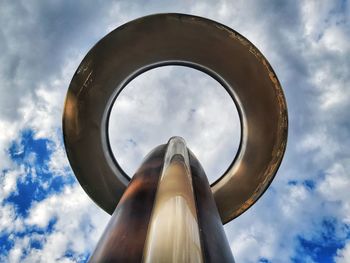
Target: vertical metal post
173, 234
167, 214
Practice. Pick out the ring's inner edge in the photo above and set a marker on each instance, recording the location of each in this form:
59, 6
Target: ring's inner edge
111, 158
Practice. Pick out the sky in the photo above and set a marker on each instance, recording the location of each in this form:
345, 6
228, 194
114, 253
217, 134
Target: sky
304, 216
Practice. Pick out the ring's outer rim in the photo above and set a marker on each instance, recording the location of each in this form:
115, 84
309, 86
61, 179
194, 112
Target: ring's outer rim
71, 132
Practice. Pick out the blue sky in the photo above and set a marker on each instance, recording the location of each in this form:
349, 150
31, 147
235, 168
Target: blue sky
45, 216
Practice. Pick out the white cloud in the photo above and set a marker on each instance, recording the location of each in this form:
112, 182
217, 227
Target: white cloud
9, 133
336, 39
79, 224
343, 255
335, 188
8, 182
9, 221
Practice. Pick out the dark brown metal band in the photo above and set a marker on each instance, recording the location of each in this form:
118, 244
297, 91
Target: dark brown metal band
124, 237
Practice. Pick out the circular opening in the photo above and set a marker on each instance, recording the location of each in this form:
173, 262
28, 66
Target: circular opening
175, 101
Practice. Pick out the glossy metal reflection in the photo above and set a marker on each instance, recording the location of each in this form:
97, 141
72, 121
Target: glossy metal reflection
173, 234
176, 39
167, 214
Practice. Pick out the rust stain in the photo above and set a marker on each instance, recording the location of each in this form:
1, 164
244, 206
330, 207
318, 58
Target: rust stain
84, 67
86, 83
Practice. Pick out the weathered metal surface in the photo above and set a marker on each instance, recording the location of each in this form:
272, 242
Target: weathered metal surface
169, 39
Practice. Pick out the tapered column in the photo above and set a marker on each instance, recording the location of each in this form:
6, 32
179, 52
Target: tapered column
167, 214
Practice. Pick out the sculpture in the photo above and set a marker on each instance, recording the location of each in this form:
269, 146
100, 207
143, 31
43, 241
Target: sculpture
137, 230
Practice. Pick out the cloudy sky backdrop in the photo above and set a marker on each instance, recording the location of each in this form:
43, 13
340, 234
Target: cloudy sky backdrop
304, 216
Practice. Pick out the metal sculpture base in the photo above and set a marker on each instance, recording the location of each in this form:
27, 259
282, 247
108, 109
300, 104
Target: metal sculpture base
167, 214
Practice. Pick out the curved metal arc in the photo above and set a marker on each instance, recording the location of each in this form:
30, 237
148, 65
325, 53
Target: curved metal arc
84, 122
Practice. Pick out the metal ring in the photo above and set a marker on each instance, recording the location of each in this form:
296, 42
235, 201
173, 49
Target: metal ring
176, 39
